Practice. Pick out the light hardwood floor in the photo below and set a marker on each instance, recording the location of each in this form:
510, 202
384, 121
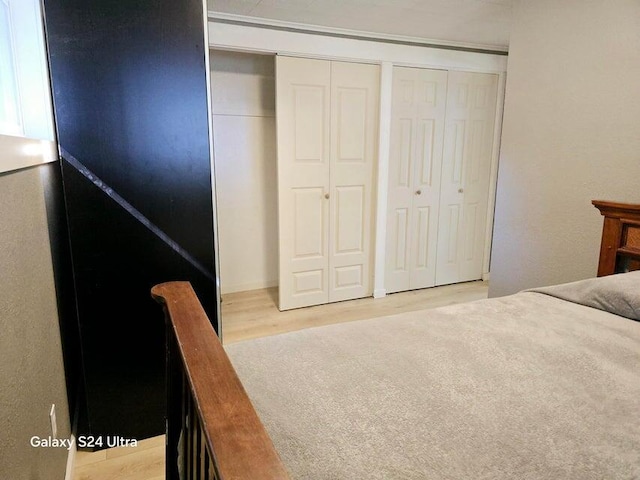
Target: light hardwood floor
144, 462
253, 314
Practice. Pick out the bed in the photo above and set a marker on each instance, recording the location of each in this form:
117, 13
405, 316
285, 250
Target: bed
544, 384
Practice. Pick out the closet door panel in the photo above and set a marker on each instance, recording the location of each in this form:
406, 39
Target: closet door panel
303, 105
354, 130
466, 168
431, 105
397, 246
399, 214
350, 221
482, 116
309, 118
417, 132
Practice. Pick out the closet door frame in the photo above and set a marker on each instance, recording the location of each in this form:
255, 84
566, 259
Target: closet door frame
261, 40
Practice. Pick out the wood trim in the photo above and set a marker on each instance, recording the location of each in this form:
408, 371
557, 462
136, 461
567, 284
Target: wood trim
618, 209
612, 251
611, 233
630, 252
236, 439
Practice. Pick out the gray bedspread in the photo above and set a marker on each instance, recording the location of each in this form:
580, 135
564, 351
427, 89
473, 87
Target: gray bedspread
528, 386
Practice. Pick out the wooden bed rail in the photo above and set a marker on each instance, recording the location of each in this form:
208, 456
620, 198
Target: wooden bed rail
213, 431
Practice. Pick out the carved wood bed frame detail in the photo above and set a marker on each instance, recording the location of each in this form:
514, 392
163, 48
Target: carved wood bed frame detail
620, 247
213, 431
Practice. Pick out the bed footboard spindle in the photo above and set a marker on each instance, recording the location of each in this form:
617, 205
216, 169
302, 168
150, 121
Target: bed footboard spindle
213, 431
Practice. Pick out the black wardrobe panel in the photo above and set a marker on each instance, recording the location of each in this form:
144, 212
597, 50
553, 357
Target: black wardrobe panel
122, 328
130, 99
131, 104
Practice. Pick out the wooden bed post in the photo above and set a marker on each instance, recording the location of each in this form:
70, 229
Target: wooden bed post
620, 246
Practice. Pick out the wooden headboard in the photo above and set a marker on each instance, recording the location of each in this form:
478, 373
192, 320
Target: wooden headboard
620, 247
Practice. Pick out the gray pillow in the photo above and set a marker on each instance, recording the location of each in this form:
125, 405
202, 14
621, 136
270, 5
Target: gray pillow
618, 294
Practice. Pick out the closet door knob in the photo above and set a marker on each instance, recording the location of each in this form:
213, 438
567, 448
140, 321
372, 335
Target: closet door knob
326, 195
460, 190
418, 192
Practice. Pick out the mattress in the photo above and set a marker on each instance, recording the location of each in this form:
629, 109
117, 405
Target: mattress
542, 384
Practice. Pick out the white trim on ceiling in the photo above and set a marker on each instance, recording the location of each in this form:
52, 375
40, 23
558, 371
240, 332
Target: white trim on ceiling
266, 40
352, 34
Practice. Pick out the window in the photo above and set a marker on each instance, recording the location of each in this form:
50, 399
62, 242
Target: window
26, 118
10, 118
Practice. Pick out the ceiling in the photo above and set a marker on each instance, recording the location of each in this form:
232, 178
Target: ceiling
474, 22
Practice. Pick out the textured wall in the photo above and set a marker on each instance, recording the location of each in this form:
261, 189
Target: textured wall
570, 135
31, 368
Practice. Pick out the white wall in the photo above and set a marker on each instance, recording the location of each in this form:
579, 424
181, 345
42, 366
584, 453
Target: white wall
571, 134
243, 91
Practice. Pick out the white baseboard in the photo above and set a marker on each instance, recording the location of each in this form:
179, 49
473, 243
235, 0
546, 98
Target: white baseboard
71, 459
485, 276
380, 293
243, 287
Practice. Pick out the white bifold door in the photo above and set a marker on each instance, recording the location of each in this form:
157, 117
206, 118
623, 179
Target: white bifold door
466, 171
419, 100
442, 131
327, 119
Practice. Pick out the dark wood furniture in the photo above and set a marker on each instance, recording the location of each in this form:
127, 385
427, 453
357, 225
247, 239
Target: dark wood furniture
620, 247
213, 431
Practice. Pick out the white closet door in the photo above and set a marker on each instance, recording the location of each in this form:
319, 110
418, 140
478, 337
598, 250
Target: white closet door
471, 111
303, 95
417, 135
354, 132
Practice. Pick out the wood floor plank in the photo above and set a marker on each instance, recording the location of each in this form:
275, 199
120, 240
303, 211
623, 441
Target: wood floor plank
86, 458
143, 465
254, 314
142, 445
